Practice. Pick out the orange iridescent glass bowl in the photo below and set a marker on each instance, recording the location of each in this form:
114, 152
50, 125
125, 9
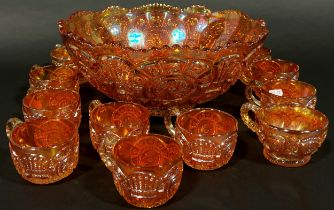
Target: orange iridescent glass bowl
163, 57
43, 150
280, 91
208, 137
147, 169
290, 134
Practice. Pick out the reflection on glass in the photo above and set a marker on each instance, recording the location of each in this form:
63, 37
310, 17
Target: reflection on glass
114, 29
179, 35
130, 15
148, 15
201, 26
136, 38
182, 16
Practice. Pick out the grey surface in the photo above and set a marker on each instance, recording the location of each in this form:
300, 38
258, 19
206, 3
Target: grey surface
301, 31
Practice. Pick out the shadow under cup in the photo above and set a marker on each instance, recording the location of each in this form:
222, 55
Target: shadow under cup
208, 137
290, 134
43, 150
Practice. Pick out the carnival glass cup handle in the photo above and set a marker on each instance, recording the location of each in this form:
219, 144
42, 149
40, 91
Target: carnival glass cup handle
105, 151
168, 120
251, 124
250, 94
93, 104
11, 124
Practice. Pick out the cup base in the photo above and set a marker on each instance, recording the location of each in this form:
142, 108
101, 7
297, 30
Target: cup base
145, 190
142, 202
285, 162
204, 167
46, 178
42, 181
146, 204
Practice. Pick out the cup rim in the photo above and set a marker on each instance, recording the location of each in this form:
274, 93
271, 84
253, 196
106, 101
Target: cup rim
279, 61
318, 113
314, 90
281, 75
70, 140
169, 164
58, 47
76, 102
178, 125
106, 127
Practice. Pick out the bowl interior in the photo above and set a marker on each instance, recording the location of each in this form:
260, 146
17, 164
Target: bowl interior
157, 25
161, 56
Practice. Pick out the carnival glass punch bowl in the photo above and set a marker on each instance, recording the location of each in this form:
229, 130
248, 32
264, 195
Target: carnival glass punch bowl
162, 57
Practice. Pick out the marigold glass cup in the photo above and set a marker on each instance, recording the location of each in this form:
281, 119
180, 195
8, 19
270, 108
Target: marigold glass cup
281, 91
147, 169
43, 150
208, 137
113, 121
60, 57
268, 69
52, 103
290, 134
259, 53
53, 77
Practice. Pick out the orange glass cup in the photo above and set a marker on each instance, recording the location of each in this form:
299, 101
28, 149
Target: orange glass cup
259, 53
268, 69
290, 134
208, 137
43, 150
53, 77
147, 169
60, 57
113, 121
281, 91
52, 103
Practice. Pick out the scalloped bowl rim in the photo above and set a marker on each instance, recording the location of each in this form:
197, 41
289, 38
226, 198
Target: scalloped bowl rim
65, 32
